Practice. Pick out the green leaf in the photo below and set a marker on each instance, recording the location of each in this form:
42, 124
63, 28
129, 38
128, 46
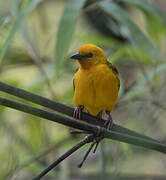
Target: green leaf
140, 40
132, 54
145, 6
144, 80
156, 20
155, 28
66, 30
20, 16
148, 9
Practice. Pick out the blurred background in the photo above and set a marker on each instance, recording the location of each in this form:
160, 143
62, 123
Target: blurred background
36, 39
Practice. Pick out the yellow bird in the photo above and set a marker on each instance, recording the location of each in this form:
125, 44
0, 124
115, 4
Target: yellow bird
96, 83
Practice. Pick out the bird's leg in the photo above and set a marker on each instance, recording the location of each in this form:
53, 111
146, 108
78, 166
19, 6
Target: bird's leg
109, 122
77, 112
99, 116
77, 115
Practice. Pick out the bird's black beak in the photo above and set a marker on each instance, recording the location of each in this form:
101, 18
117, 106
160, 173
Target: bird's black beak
77, 56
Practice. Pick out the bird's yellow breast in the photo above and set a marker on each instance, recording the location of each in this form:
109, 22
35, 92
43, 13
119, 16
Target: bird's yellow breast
96, 89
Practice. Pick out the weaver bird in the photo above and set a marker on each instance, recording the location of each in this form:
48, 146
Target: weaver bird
96, 83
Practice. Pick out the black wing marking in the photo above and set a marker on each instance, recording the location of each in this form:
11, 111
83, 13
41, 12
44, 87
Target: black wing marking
73, 79
115, 71
73, 85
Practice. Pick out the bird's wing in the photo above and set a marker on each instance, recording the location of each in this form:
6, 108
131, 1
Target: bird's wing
73, 85
73, 80
115, 71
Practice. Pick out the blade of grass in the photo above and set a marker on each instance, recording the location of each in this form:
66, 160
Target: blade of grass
140, 40
66, 30
155, 19
145, 6
143, 81
132, 54
17, 23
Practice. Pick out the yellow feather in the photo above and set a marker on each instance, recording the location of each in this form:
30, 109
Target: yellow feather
96, 84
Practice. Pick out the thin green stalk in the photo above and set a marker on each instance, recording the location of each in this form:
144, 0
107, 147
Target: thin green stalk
63, 109
21, 15
84, 141
149, 144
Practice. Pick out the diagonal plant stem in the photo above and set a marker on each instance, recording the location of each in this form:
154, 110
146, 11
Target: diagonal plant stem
87, 139
44, 153
64, 109
21, 15
39, 65
14, 134
86, 155
93, 129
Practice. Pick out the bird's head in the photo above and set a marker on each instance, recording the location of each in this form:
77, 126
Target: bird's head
89, 55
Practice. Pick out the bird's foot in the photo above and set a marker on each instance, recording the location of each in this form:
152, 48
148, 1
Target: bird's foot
109, 122
77, 115
77, 112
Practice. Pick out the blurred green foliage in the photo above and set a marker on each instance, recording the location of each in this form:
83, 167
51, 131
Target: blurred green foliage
36, 39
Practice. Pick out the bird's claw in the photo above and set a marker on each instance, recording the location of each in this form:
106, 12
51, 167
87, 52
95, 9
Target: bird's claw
109, 122
77, 112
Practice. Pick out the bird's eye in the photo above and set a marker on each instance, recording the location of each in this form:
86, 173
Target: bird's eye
89, 55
